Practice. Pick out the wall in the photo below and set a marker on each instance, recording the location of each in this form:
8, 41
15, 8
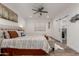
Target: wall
6, 22
57, 25
31, 23
21, 22
73, 36
73, 32
56, 30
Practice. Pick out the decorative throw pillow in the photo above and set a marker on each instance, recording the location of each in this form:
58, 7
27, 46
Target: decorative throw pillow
21, 33
13, 34
1, 35
6, 35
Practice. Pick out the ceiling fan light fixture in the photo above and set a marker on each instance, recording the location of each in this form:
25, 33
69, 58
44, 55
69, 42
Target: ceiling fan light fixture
40, 11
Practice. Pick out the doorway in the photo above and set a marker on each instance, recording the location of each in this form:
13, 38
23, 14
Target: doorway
64, 36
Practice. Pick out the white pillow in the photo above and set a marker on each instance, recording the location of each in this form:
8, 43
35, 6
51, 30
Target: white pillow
20, 33
23, 33
1, 34
7, 34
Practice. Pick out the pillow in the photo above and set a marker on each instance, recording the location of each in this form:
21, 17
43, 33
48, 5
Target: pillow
21, 33
1, 35
6, 35
13, 34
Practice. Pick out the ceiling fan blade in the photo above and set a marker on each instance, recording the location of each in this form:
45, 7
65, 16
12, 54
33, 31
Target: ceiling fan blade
34, 10
41, 8
44, 11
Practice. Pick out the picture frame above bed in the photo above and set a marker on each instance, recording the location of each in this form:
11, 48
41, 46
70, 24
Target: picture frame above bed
8, 14
5, 12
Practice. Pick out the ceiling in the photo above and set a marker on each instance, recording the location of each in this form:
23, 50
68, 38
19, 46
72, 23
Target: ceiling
25, 9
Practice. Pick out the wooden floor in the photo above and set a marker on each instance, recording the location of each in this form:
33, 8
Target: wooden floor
66, 52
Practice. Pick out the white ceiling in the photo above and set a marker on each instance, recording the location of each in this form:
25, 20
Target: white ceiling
25, 9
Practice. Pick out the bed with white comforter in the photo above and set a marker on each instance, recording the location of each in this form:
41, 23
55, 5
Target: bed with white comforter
27, 42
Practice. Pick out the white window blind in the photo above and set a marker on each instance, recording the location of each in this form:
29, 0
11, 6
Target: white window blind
40, 27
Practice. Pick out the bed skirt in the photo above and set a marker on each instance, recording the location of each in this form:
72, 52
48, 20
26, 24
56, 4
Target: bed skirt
23, 52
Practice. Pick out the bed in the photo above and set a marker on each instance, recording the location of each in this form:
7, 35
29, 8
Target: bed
26, 45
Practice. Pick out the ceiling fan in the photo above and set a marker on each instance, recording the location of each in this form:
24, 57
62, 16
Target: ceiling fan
40, 11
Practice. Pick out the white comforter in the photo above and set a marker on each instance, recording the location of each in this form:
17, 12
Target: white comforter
27, 42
